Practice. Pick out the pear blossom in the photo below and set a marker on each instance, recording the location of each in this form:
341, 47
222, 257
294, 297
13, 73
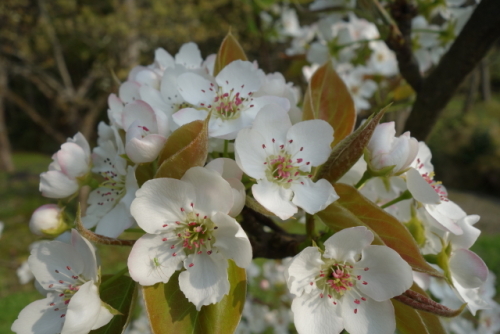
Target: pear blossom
348, 286
280, 156
70, 167
109, 204
146, 131
385, 150
48, 220
187, 225
228, 98
70, 276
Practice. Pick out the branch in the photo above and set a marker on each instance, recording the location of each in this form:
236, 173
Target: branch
34, 115
476, 38
58, 54
270, 245
399, 40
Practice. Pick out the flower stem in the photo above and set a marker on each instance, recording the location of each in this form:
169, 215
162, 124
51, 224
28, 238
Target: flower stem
113, 278
366, 176
405, 195
226, 149
310, 226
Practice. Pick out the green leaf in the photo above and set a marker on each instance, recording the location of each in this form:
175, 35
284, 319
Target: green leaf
185, 148
328, 98
411, 321
144, 172
120, 296
349, 150
169, 310
229, 51
353, 209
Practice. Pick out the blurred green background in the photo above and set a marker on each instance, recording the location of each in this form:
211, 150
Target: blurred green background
60, 59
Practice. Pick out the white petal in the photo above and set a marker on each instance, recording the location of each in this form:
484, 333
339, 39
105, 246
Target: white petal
239, 197
188, 115
303, 270
387, 276
39, 318
213, 193
115, 221
129, 91
159, 202
189, 55
250, 155
205, 280
382, 138
468, 269
141, 112
81, 141
315, 315
225, 167
141, 150
272, 122
195, 89
348, 244
103, 318
470, 235
371, 317
420, 189
83, 310
472, 297
232, 241
152, 260
49, 261
239, 76
313, 197
163, 58
274, 198
153, 97
254, 105
86, 252
56, 184
310, 141
441, 214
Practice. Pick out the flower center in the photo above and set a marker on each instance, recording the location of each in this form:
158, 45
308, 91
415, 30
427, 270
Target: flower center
335, 279
436, 185
195, 234
68, 284
284, 169
227, 106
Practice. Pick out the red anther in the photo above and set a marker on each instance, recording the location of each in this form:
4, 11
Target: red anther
191, 264
68, 267
57, 271
355, 311
63, 315
357, 301
363, 299
164, 239
366, 269
263, 146
365, 283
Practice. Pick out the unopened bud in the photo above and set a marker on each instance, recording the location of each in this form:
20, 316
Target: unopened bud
48, 220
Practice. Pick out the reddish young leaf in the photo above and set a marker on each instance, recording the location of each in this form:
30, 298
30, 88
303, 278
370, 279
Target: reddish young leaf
170, 312
349, 150
328, 98
185, 148
229, 51
392, 232
411, 321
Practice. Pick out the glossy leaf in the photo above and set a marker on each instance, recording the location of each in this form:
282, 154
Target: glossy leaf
170, 312
390, 231
349, 150
328, 98
120, 295
229, 51
411, 321
185, 148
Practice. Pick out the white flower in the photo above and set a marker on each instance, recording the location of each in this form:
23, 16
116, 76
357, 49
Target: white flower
47, 220
24, 273
280, 156
109, 204
386, 150
228, 98
71, 164
187, 224
146, 131
69, 274
348, 286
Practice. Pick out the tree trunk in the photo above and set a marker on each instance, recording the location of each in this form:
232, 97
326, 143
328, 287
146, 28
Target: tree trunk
6, 163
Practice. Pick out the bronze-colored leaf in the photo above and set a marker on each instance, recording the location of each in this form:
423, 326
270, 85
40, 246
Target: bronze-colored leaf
411, 321
328, 98
229, 51
185, 148
349, 150
170, 312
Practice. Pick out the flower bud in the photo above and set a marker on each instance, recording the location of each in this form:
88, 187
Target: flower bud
48, 220
390, 154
